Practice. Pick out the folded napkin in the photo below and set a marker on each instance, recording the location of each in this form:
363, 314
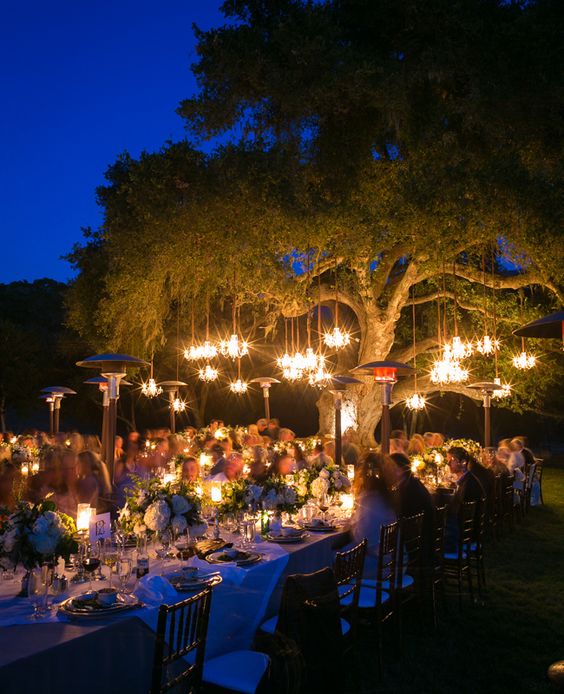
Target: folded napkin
229, 571
155, 590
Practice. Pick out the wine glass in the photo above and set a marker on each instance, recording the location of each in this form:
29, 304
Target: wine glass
165, 538
37, 589
110, 556
91, 561
323, 506
124, 567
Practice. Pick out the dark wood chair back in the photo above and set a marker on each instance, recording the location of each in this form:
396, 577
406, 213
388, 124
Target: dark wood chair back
410, 559
387, 561
348, 570
181, 632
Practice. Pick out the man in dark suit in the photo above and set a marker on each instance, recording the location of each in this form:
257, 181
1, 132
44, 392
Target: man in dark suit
468, 488
412, 498
487, 479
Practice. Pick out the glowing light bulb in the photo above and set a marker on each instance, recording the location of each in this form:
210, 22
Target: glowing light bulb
178, 405
415, 402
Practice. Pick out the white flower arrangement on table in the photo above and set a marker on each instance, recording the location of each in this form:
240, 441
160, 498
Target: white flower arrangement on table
279, 496
331, 479
152, 507
35, 533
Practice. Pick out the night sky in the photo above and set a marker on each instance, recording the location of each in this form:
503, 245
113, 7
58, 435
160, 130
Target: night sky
82, 82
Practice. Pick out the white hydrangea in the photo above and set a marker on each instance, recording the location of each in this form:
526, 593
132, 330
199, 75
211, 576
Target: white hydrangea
179, 523
180, 504
272, 500
253, 494
157, 516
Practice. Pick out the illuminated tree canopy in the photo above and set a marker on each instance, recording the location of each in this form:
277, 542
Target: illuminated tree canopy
408, 150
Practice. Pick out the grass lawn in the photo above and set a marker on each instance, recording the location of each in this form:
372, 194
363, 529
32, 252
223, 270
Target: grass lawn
505, 645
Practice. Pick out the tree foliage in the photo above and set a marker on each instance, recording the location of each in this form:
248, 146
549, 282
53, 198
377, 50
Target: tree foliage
391, 145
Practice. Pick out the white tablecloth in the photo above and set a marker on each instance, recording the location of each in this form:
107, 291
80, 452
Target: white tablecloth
37, 655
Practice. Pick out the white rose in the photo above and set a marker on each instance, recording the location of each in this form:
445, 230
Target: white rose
319, 487
324, 473
179, 523
157, 516
302, 489
180, 504
139, 528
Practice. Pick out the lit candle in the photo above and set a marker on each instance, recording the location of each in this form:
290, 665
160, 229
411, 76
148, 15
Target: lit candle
168, 478
350, 472
25, 469
348, 502
35, 467
83, 515
199, 491
216, 494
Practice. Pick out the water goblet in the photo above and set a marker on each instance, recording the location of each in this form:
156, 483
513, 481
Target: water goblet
110, 555
91, 561
124, 568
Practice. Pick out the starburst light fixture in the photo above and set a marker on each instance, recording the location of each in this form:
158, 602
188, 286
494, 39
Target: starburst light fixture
415, 402
178, 405
504, 390
448, 369
487, 345
337, 338
234, 347
461, 349
150, 389
320, 377
524, 361
208, 373
239, 387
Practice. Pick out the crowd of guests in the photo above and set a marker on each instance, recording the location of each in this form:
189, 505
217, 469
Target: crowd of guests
386, 488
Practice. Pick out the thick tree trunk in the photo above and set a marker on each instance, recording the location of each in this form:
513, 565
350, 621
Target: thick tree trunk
376, 343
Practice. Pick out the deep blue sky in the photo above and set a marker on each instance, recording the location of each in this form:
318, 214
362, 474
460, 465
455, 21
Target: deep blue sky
81, 82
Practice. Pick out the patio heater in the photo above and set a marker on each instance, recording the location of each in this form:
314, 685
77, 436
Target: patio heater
113, 367
385, 373
57, 393
486, 388
174, 404
265, 382
102, 384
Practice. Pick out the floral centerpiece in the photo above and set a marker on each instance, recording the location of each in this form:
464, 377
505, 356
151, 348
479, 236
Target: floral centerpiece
330, 480
35, 533
152, 507
235, 497
279, 496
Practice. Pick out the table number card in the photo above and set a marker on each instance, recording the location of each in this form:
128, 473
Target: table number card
100, 527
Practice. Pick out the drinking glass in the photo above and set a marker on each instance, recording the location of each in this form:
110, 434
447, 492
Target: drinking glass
124, 568
91, 561
38, 589
248, 529
110, 555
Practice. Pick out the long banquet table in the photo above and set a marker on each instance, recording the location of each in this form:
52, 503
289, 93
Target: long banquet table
53, 654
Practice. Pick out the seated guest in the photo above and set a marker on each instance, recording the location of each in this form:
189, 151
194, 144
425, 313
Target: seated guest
93, 479
486, 477
233, 467
329, 450
9, 474
253, 437
64, 484
412, 498
262, 426
218, 463
416, 445
319, 459
398, 446
398, 434
190, 471
350, 450
286, 435
297, 452
118, 448
273, 429
498, 462
259, 464
282, 464
374, 508
468, 488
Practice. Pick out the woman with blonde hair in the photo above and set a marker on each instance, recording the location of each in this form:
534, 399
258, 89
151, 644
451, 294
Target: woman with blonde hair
93, 479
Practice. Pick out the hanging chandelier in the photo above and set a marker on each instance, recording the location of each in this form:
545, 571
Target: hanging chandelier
524, 361
487, 345
150, 388
239, 387
415, 401
448, 369
504, 390
178, 405
208, 373
461, 349
337, 339
320, 377
234, 347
